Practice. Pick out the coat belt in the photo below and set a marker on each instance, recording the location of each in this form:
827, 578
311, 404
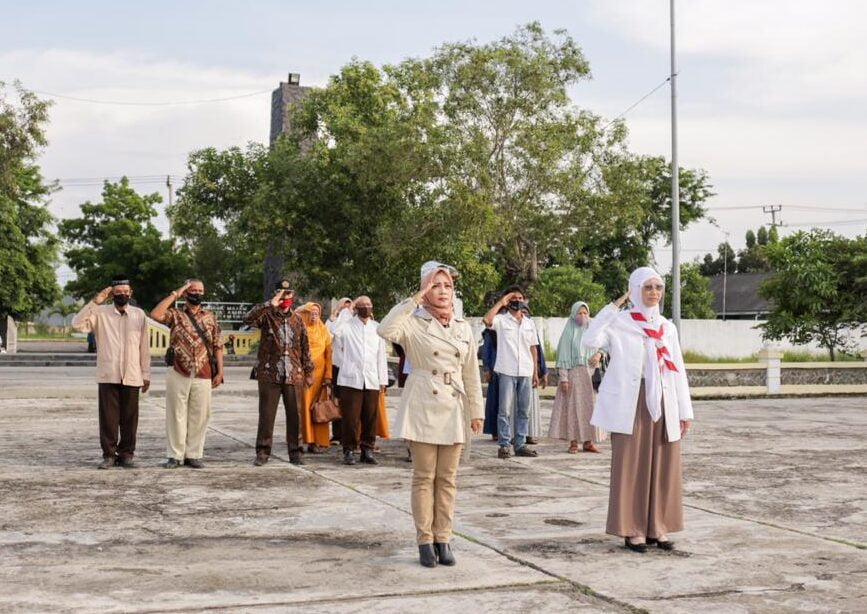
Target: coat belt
449, 378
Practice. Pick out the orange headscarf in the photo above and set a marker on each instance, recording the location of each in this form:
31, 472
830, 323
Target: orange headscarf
317, 335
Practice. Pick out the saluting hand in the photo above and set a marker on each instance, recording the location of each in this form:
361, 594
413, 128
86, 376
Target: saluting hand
102, 295
620, 302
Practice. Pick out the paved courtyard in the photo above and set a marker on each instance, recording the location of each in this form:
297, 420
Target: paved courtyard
776, 515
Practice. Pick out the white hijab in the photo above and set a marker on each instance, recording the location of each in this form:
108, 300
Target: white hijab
652, 371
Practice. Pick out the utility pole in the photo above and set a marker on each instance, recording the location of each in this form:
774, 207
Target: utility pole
725, 274
773, 210
675, 188
171, 203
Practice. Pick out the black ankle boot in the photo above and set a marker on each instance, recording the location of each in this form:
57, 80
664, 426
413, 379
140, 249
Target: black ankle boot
426, 555
444, 554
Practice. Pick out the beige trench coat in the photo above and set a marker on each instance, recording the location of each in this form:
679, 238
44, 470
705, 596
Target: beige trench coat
443, 392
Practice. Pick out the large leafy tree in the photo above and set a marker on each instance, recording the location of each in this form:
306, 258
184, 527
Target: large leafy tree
28, 248
696, 298
818, 292
213, 218
117, 237
559, 287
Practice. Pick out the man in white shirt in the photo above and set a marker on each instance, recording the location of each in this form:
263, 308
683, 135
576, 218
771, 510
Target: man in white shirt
516, 368
123, 366
363, 374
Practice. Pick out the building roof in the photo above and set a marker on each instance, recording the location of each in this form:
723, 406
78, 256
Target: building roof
741, 294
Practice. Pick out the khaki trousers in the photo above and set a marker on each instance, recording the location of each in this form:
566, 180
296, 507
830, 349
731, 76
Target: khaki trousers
188, 408
646, 497
434, 486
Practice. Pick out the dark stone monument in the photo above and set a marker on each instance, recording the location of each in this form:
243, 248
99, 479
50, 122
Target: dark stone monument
282, 99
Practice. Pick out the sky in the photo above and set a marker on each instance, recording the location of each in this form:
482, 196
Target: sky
771, 93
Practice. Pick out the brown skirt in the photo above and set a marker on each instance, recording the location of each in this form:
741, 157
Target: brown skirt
646, 495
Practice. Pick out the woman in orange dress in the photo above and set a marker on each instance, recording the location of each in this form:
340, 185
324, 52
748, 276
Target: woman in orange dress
316, 436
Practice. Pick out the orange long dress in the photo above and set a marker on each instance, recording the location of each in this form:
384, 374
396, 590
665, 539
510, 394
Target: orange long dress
320, 353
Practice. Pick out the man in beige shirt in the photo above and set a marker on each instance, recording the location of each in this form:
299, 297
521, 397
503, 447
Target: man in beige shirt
123, 366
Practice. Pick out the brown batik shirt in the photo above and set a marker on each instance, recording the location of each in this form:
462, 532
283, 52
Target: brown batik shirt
191, 353
284, 352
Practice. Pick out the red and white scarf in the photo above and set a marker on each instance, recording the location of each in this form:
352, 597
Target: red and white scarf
663, 356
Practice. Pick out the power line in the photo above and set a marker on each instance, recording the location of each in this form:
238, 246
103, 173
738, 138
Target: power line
636, 103
149, 104
798, 207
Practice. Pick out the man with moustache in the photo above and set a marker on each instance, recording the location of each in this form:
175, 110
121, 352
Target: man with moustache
123, 367
197, 367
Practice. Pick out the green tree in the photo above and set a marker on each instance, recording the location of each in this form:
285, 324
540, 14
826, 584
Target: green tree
559, 287
815, 292
696, 298
28, 248
724, 262
212, 219
116, 238
762, 236
753, 259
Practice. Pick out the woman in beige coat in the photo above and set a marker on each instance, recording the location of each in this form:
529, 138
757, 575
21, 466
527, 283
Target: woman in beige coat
440, 405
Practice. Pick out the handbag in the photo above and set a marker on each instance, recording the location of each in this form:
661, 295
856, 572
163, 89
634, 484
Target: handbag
169, 358
599, 373
254, 372
325, 409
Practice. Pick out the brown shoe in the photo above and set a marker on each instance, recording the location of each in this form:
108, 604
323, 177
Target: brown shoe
589, 447
525, 451
107, 463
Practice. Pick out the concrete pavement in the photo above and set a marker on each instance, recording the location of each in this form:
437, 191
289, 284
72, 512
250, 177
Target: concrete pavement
776, 515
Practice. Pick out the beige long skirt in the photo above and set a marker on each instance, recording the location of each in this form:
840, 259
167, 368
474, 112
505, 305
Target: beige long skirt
646, 495
570, 416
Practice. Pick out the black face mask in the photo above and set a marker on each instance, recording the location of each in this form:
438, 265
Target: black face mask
120, 299
363, 312
194, 299
515, 305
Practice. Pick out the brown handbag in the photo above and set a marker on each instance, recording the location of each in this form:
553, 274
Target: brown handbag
325, 409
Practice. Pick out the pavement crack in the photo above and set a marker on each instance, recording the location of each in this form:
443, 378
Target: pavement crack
796, 586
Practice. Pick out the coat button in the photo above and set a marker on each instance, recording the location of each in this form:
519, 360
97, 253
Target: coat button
454, 394
457, 354
434, 371
436, 353
436, 392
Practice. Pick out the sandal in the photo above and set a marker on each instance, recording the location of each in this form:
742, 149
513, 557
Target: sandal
589, 447
573, 447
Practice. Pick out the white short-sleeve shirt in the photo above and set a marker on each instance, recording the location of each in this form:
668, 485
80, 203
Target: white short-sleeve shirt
514, 340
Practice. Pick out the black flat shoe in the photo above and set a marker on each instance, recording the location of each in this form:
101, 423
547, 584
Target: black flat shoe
426, 555
367, 457
444, 554
642, 548
295, 458
662, 545
348, 458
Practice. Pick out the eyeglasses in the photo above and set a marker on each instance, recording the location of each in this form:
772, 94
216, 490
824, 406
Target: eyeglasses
657, 287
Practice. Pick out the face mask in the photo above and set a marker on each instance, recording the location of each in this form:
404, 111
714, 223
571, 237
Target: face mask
514, 305
363, 312
194, 299
582, 319
120, 299
286, 303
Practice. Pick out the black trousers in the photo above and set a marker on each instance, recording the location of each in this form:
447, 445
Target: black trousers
269, 399
335, 392
358, 406
118, 412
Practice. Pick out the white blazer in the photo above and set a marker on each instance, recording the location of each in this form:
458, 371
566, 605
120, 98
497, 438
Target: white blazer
617, 400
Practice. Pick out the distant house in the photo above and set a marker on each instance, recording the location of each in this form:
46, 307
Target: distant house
736, 297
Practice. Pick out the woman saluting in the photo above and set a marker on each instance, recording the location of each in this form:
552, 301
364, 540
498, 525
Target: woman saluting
644, 403
440, 405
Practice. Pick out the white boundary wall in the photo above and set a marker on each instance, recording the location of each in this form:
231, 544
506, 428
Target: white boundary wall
713, 338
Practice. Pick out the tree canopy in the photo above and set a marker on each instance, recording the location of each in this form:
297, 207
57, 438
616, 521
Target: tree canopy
28, 247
